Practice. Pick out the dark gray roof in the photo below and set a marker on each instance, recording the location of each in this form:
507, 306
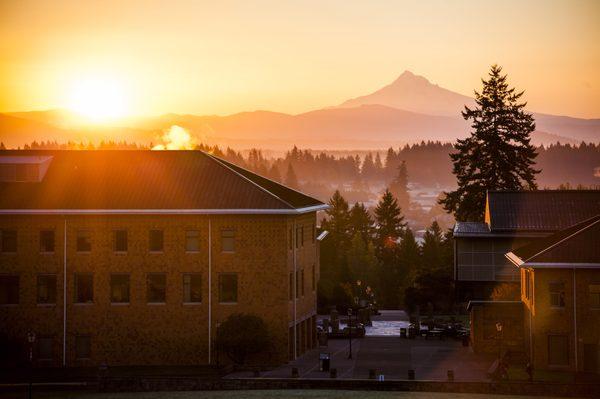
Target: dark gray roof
541, 211
577, 244
137, 180
471, 229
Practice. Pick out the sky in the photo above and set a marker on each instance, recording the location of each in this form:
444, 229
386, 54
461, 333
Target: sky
207, 57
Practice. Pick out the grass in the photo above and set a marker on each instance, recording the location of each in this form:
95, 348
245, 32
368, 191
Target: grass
260, 394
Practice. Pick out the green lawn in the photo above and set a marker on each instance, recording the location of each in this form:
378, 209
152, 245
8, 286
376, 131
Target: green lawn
268, 394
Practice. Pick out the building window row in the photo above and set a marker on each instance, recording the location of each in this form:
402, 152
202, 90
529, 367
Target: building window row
299, 241
300, 283
83, 242
120, 291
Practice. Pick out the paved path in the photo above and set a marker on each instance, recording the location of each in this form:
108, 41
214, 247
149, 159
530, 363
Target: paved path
390, 356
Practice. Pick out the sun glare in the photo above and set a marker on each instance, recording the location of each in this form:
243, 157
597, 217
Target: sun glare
98, 98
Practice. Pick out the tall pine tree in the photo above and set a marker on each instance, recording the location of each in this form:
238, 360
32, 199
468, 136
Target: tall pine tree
389, 220
399, 187
498, 155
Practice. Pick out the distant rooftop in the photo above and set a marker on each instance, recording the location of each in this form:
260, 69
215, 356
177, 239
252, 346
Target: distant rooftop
186, 181
541, 211
577, 245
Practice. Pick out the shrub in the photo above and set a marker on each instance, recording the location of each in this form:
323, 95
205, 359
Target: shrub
241, 336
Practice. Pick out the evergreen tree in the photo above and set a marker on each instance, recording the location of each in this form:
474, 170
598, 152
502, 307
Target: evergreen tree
362, 262
432, 249
498, 155
399, 187
2, 147
290, 177
389, 220
274, 173
361, 222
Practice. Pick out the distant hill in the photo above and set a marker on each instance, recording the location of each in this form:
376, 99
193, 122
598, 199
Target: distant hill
409, 110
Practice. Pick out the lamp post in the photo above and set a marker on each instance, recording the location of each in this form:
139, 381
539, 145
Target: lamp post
30, 341
350, 331
499, 331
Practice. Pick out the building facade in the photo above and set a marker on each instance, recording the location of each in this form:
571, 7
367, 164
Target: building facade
560, 293
135, 258
512, 220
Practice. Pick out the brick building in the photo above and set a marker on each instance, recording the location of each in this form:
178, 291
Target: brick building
512, 220
560, 292
135, 257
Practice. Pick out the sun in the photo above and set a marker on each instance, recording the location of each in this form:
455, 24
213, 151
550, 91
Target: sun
98, 98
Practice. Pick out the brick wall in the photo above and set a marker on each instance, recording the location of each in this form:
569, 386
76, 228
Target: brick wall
169, 333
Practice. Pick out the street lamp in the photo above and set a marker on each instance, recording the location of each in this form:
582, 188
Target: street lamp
499, 331
30, 341
350, 331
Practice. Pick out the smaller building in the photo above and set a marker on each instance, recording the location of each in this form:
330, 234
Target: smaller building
560, 292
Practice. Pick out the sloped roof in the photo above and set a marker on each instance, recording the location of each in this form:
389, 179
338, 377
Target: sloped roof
541, 211
148, 180
577, 244
466, 229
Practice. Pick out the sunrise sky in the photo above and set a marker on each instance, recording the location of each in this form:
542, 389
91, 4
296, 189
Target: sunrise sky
221, 57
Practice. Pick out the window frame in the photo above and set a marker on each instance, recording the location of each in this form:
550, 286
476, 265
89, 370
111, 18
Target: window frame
568, 349
148, 301
162, 241
191, 275
38, 346
112, 302
37, 292
559, 292
89, 338
228, 231
89, 237
17, 278
116, 233
76, 289
42, 251
187, 250
237, 286
2, 241
591, 294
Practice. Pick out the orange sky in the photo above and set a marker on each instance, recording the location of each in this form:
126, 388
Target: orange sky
224, 57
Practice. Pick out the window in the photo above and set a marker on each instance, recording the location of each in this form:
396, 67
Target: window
8, 240
83, 347
84, 242
302, 281
595, 296
291, 241
291, 286
120, 240
84, 288
119, 288
46, 289
227, 240
297, 283
156, 241
527, 283
313, 233
9, 290
558, 350
156, 284
297, 237
47, 241
192, 241
302, 236
557, 295
228, 288
192, 288
314, 277
45, 345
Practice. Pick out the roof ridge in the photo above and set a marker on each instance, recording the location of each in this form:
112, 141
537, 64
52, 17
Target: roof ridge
577, 232
224, 163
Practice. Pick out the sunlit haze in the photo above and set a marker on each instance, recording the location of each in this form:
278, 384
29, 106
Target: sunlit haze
109, 58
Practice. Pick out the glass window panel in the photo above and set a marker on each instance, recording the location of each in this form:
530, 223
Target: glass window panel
156, 241
227, 240
84, 288
192, 288
9, 290
156, 288
46, 289
84, 242
119, 288
228, 288
192, 241
9, 241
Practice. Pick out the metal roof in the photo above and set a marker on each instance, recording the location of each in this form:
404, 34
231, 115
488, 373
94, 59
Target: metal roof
148, 180
543, 211
576, 245
468, 229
